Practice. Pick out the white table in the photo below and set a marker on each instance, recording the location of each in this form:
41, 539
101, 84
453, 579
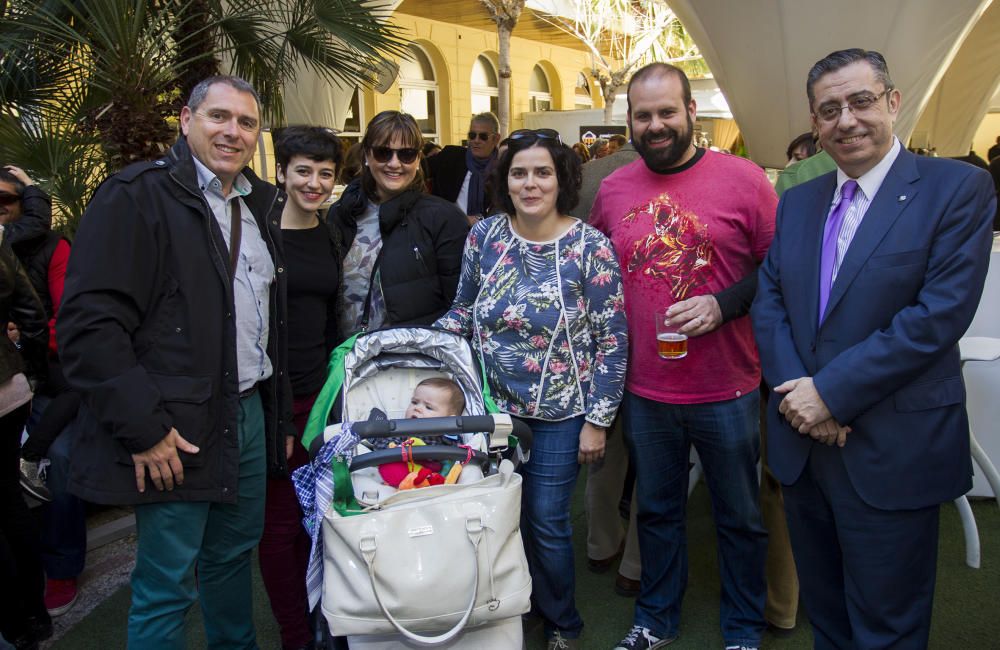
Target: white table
982, 380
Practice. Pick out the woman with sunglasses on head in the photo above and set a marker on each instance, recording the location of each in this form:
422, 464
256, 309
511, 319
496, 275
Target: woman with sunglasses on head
541, 299
403, 247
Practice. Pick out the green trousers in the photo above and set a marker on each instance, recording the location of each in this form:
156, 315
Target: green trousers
217, 539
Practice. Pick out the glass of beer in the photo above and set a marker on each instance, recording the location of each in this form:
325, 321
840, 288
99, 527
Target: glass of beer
670, 343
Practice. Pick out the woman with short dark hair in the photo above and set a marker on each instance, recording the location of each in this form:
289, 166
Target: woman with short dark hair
541, 300
307, 159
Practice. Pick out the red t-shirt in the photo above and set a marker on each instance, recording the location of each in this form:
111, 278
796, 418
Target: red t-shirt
694, 231
57, 278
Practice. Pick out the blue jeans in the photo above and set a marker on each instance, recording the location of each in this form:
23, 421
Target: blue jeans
549, 479
726, 436
63, 522
218, 538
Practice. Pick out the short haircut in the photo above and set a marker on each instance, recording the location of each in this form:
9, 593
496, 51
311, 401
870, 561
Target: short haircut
619, 139
487, 118
658, 69
7, 177
429, 148
841, 59
456, 399
314, 142
568, 173
804, 139
379, 133
597, 145
200, 91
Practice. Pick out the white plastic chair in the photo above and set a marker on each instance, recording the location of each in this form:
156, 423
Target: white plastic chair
977, 348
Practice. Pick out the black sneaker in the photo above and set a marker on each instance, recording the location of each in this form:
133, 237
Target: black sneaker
33, 481
641, 638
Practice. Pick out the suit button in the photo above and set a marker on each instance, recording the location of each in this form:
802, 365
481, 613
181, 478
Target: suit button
225, 490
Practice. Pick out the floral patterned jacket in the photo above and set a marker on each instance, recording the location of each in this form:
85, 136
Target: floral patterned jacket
552, 336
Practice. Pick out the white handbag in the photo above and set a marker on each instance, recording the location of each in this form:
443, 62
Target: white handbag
428, 562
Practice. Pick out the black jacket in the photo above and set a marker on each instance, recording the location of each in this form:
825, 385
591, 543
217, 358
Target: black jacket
423, 238
447, 172
19, 304
147, 335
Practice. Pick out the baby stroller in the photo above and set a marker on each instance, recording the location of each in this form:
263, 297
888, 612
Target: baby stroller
437, 566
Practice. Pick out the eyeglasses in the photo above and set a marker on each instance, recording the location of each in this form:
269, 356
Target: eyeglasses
482, 135
406, 155
536, 134
9, 199
248, 124
858, 105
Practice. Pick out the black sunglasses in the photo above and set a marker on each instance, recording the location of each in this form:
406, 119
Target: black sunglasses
479, 134
9, 199
406, 155
536, 134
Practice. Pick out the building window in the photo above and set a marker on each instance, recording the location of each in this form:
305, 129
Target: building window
582, 98
418, 91
485, 89
538, 91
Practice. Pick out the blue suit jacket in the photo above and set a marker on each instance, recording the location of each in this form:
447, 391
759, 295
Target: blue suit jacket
885, 359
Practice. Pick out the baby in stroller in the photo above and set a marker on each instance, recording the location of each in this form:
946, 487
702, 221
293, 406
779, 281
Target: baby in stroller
432, 398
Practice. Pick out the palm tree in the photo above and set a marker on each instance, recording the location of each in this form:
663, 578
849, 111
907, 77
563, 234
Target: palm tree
115, 73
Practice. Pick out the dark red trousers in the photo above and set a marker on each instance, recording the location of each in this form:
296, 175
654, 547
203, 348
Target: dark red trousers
284, 546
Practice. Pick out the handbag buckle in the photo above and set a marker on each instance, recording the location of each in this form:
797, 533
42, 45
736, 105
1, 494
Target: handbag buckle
474, 525
493, 604
367, 545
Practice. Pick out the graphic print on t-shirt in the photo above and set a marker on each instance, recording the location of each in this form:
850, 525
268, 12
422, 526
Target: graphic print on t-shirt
679, 250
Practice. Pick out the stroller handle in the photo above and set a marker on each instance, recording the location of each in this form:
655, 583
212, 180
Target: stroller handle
427, 452
430, 426
437, 426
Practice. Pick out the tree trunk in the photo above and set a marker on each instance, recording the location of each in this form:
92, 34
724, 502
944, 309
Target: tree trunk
608, 90
503, 90
504, 13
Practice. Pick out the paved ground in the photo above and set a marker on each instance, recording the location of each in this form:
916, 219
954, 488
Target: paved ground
108, 569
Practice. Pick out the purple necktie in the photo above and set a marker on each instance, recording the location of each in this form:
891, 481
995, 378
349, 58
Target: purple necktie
831, 231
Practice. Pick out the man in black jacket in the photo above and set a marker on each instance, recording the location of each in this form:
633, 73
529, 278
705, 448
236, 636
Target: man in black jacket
459, 174
172, 328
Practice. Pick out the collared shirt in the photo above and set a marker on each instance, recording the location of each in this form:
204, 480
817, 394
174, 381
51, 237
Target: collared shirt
462, 200
254, 275
868, 185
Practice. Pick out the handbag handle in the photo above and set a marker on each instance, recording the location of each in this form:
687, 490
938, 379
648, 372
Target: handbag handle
474, 529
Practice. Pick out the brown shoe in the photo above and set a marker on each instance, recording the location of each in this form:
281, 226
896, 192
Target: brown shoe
602, 566
626, 587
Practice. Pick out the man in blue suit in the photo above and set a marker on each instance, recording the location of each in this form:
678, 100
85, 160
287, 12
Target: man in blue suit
874, 274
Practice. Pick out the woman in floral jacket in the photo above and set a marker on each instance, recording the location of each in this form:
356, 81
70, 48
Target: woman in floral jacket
540, 296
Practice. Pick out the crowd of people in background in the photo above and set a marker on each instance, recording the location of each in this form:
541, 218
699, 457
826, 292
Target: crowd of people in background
169, 360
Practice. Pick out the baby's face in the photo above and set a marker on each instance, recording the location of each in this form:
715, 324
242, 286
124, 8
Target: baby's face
429, 402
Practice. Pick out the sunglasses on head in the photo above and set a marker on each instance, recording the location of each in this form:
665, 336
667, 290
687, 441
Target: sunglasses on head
482, 135
534, 135
406, 155
9, 199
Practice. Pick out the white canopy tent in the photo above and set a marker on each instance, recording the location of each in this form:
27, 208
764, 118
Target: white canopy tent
314, 100
963, 96
760, 52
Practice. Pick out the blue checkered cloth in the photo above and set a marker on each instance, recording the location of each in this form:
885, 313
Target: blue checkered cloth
314, 488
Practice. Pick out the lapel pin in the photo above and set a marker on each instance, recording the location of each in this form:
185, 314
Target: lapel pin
902, 197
